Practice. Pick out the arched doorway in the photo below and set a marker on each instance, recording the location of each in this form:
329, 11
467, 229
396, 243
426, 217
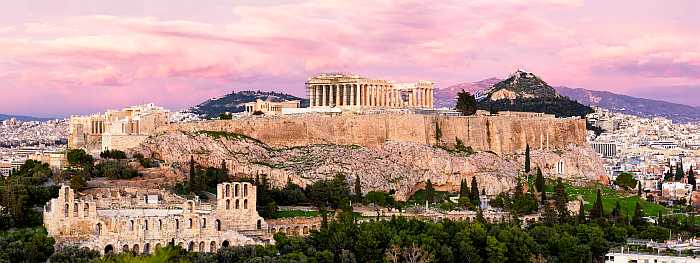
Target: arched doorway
259, 224
201, 246
109, 249
190, 246
125, 248
212, 246
136, 249
225, 243
157, 246
147, 248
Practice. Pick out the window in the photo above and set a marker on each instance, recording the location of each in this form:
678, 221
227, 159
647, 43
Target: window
245, 204
146, 224
191, 224
160, 224
237, 190
245, 190
204, 223
217, 225
86, 210
131, 225
98, 229
237, 206
75, 210
228, 190
65, 211
228, 204
177, 223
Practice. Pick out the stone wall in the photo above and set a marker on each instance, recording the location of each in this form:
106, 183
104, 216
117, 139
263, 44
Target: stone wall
499, 134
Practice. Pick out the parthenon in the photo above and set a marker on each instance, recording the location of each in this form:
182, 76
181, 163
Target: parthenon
354, 91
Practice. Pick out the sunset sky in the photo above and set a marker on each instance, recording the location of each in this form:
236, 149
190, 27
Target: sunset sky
62, 57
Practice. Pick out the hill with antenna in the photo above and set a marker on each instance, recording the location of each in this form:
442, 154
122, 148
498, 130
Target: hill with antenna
525, 91
234, 102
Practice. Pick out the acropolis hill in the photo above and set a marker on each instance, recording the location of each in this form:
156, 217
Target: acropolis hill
506, 133
386, 151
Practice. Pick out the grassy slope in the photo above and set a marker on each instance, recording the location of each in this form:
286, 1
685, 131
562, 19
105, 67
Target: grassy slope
610, 197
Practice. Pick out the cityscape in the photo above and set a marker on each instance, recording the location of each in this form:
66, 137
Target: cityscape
236, 132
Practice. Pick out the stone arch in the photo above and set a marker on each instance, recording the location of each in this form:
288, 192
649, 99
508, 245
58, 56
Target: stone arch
245, 190
212, 246
157, 246
313, 227
147, 248
136, 249
160, 224
305, 230
98, 229
296, 230
109, 249
273, 230
228, 204
131, 225
201, 246
191, 224
236, 190
204, 222
228, 190
86, 210
217, 225
75, 209
125, 248
245, 204
225, 243
145, 224
66, 192
237, 204
66, 210
259, 224
190, 246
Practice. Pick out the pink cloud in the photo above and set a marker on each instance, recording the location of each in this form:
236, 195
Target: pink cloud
119, 58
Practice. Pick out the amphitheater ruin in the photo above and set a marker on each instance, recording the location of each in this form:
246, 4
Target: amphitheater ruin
141, 221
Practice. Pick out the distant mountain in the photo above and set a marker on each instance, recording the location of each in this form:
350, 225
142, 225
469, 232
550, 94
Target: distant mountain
23, 118
445, 97
633, 106
234, 102
525, 91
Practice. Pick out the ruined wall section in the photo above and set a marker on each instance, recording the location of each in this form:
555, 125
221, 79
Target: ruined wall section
499, 134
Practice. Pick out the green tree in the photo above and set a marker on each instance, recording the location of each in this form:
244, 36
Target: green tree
539, 180
463, 188
429, 192
496, 251
193, 174
79, 158
581, 217
475, 200
72, 254
679, 172
561, 199
597, 209
358, 189
527, 158
466, 103
691, 178
626, 180
78, 182
637, 219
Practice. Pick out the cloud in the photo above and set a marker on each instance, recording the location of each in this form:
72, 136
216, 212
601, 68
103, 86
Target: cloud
114, 55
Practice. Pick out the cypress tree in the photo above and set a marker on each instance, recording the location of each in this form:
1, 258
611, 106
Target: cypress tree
475, 192
639, 188
637, 220
463, 188
429, 192
691, 178
581, 218
561, 201
527, 158
539, 180
193, 173
543, 198
659, 218
358, 189
466, 103
597, 210
519, 188
224, 171
669, 174
679, 171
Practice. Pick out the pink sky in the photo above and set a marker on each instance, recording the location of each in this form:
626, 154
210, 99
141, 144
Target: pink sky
73, 56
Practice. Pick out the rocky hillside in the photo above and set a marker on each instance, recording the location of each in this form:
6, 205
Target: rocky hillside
233, 102
446, 97
401, 166
524, 91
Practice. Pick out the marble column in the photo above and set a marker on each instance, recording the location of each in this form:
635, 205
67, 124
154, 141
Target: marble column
336, 94
357, 94
323, 95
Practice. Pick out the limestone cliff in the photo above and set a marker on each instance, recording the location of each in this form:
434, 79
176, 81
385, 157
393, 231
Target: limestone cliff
403, 166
